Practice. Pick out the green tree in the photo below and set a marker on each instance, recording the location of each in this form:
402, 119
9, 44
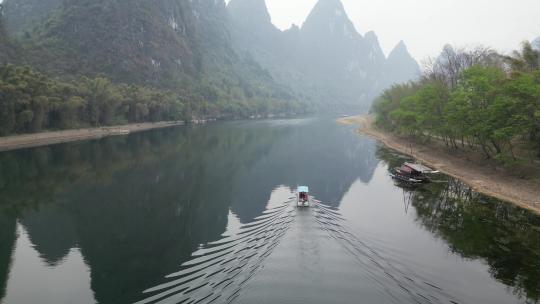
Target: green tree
69, 112
526, 60
102, 100
483, 106
524, 90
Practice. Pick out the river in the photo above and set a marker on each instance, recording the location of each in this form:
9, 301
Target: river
205, 214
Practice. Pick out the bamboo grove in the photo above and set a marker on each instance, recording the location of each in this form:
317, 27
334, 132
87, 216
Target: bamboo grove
32, 102
471, 98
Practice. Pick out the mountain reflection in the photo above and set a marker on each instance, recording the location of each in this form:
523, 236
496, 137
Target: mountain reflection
138, 206
7, 243
316, 153
506, 237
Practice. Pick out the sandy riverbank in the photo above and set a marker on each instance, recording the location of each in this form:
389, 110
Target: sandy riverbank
49, 138
465, 166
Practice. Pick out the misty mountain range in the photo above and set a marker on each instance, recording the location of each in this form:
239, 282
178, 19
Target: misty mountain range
180, 43
325, 56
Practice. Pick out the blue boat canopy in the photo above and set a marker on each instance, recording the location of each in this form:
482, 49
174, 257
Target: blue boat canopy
303, 189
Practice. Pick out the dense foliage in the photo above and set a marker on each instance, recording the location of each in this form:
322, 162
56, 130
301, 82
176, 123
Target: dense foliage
471, 98
102, 63
31, 102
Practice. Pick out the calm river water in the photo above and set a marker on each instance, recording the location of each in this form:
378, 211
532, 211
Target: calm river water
204, 214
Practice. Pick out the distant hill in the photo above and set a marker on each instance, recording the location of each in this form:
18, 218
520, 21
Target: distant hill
177, 50
5, 48
163, 43
153, 42
400, 66
223, 53
325, 59
23, 15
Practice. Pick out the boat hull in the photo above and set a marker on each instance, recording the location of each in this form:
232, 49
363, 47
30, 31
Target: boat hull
422, 177
406, 180
300, 203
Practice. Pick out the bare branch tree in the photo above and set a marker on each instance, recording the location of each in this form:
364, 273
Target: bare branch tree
451, 63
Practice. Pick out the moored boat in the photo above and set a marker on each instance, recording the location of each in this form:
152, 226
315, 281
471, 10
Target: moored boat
414, 173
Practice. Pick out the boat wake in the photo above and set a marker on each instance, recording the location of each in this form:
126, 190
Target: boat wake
216, 273
395, 279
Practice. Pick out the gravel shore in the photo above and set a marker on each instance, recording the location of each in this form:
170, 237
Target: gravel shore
48, 138
466, 166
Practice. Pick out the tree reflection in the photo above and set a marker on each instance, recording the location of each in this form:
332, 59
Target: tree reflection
138, 206
506, 237
7, 244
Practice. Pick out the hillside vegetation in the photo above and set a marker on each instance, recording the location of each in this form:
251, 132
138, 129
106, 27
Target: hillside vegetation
176, 59
471, 98
32, 102
5, 49
94, 62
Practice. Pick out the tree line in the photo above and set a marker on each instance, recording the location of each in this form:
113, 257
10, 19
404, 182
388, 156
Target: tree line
471, 98
31, 102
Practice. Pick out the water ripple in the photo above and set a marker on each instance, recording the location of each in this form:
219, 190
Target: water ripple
402, 284
217, 272
221, 268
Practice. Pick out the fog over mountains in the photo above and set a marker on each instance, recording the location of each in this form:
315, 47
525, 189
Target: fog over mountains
179, 43
326, 56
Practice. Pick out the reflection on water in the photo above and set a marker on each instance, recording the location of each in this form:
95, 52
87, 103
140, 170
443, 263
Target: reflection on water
139, 206
395, 280
218, 271
7, 243
505, 237
196, 212
31, 279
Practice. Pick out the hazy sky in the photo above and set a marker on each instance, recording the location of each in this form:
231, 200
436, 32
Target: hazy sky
426, 25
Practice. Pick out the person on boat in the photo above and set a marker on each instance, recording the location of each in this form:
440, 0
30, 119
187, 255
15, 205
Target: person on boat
303, 196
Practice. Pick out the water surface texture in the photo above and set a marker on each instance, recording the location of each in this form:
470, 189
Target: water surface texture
206, 215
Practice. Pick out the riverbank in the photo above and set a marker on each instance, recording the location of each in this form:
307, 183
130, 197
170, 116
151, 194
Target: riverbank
15, 142
467, 166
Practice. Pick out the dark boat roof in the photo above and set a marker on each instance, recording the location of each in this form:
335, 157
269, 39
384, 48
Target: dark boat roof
419, 168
